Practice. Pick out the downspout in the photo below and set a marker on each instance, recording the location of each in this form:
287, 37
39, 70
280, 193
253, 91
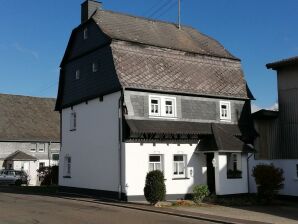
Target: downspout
247, 164
120, 144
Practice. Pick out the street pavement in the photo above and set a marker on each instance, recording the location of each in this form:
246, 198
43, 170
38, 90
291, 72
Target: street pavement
27, 209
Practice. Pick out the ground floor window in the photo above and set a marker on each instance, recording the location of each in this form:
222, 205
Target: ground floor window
234, 167
155, 162
179, 166
67, 166
41, 165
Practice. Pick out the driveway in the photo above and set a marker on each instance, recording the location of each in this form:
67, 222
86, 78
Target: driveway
19, 208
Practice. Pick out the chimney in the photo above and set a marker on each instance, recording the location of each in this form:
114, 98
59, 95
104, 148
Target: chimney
88, 8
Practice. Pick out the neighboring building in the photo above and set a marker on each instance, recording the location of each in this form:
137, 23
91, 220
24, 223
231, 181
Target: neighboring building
29, 134
137, 95
278, 130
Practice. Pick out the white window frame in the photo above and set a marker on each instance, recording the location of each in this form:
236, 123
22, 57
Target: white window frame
73, 121
95, 67
77, 74
228, 112
67, 166
158, 105
178, 164
155, 163
33, 149
162, 106
85, 33
41, 149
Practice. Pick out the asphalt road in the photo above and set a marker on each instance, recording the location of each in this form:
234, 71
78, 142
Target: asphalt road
19, 209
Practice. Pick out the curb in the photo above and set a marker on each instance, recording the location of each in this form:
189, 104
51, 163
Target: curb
179, 214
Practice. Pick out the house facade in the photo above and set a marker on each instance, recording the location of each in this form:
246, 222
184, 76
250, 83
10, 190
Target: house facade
137, 95
29, 134
277, 142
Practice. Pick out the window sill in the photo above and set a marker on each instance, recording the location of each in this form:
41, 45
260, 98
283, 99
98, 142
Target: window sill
181, 178
66, 176
234, 178
72, 129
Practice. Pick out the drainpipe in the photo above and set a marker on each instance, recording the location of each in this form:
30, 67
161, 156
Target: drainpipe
120, 144
247, 164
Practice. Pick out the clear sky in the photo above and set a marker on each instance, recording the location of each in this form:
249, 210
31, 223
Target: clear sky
34, 35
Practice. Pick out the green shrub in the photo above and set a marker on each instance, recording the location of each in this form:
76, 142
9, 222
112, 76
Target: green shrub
269, 180
155, 188
199, 193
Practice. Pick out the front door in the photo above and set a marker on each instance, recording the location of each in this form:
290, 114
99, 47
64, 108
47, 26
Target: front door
210, 172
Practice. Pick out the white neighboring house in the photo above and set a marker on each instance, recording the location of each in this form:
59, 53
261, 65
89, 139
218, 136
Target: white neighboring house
29, 134
278, 130
137, 95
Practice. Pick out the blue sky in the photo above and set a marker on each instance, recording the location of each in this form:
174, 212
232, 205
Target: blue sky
34, 35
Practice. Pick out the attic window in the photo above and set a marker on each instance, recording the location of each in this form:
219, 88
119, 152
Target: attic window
225, 110
95, 67
77, 74
154, 106
85, 34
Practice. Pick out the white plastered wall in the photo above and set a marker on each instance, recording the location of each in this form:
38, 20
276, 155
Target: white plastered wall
93, 146
137, 166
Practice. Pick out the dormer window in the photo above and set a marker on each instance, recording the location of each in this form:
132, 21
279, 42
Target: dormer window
85, 34
77, 74
94, 67
161, 106
154, 106
225, 110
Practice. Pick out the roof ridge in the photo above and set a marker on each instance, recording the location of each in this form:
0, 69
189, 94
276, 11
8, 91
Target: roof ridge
26, 96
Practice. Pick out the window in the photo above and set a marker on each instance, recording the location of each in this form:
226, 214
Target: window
179, 166
169, 107
234, 169
77, 74
225, 110
162, 106
73, 121
95, 67
33, 150
67, 166
85, 34
154, 106
155, 162
41, 165
41, 150
55, 157
297, 170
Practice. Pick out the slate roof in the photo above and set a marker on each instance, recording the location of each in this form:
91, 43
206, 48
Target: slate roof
265, 114
285, 62
158, 33
20, 156
25, 118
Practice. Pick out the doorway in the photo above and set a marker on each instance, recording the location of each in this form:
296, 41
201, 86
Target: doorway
210, 172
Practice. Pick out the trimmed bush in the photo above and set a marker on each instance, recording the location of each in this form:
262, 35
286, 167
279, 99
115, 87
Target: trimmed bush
199, 193
269, 180
155, 188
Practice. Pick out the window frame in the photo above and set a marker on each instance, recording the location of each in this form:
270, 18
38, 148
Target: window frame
162, 106
154, 163
228, 104
41, 149
85, 33
173, 100
184, 162
32, 149
67, 166
73, 121
159, 106
232, 159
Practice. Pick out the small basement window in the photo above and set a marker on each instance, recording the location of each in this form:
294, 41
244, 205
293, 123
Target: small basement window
225, 110
77, 74
73, 121
85, 34
179, 166
155, 162
234, 167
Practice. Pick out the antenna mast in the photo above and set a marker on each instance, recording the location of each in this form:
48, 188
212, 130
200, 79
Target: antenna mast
179, 16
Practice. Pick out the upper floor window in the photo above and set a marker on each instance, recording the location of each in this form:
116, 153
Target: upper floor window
94, 67
85, 33
225, 110
77, 74
67, 166
73, 121
162, 106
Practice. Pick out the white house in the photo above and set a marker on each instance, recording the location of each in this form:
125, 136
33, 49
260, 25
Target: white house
29, 134
137, 95
277, 142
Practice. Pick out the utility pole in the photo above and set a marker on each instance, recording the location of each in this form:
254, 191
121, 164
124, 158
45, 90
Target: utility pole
179, 12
